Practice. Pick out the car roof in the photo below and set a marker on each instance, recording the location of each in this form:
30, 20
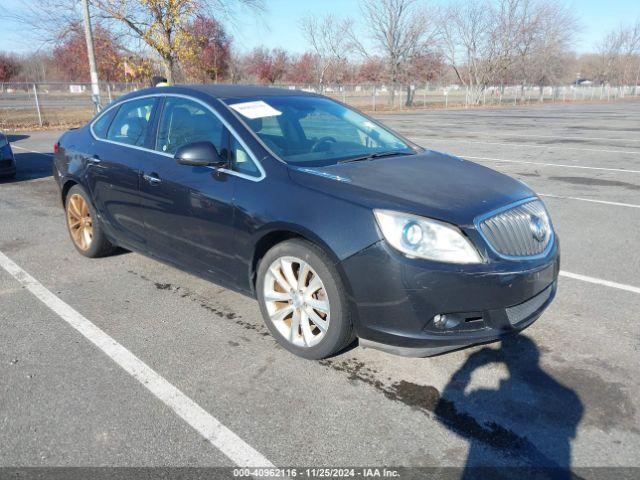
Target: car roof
224, 91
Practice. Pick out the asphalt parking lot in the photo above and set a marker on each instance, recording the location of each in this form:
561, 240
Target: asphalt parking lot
564, 393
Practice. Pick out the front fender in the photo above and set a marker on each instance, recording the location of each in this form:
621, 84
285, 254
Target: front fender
297, 230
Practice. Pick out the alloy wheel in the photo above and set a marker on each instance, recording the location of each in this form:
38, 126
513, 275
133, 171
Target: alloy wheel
79, 221
297, 301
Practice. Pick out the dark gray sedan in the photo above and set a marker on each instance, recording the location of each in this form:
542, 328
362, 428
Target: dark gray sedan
341, 228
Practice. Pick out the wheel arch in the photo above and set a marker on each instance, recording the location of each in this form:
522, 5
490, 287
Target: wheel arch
267, 239
67, 185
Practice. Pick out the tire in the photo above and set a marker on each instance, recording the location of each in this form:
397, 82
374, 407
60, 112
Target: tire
321, 293
88, 238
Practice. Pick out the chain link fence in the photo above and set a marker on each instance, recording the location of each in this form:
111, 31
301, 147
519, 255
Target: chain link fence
53, 104
380, 98
68, 104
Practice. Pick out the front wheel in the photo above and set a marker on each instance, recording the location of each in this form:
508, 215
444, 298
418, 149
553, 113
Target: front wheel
302, 300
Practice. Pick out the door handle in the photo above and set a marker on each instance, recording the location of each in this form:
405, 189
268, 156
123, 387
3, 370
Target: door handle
94, 159
152, 179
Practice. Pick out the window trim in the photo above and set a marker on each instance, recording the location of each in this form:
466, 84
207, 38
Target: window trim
231, 130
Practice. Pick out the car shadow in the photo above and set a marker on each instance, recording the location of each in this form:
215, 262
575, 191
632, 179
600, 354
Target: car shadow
30, 166
16, 137
530, 420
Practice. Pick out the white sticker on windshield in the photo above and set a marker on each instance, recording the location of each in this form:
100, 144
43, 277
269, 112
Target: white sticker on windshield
257, 109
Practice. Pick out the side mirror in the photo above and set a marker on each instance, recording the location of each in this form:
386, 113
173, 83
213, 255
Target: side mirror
199, 154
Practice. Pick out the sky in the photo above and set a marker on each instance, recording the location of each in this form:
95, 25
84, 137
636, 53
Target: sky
279, 25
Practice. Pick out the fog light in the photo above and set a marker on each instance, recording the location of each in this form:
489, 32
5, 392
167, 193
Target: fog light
439, 321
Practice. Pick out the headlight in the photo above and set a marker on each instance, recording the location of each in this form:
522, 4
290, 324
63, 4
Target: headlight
426, 238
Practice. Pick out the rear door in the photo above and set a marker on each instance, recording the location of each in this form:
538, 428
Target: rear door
188, 211
113, 170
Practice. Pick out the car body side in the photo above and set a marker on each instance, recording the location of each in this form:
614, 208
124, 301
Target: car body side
257, 223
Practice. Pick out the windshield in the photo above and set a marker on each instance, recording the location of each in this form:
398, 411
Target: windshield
315, 131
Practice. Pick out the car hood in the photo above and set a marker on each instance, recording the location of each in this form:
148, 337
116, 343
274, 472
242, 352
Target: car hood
431, 184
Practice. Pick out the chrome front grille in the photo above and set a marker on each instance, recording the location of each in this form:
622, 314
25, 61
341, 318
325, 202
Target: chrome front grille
521, 231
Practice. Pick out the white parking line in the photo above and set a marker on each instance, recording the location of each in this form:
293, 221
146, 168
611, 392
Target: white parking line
604, 202
507, 133
31, 151
529, 145
598, 281
205, 424
543, 164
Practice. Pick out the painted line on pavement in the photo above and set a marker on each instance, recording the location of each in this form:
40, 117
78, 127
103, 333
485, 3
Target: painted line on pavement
508, 133
604, 202
230, 444
489, 159
598, 281
530, 145
31, 151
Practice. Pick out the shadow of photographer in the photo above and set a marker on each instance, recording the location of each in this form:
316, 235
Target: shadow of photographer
530, 419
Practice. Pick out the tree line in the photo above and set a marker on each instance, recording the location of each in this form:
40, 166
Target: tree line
477, 44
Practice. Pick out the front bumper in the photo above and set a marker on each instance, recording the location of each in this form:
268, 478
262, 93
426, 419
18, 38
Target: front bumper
395, 299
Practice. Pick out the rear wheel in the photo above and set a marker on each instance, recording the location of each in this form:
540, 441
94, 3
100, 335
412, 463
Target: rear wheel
84, 226
302, 300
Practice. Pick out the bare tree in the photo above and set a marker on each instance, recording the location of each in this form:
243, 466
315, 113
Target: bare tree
399, 30
553, 28
631, 54
236, 70
61, 17
35, 67
491, 43
468, 34
327, 37
619, 55
610, 56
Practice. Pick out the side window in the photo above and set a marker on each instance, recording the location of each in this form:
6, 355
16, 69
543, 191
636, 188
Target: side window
102, 124
184, 121
131, 123
240, 160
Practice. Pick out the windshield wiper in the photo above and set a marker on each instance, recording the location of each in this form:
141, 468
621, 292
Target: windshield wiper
371, 156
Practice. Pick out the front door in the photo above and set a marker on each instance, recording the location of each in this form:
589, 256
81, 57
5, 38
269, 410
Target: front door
188, 211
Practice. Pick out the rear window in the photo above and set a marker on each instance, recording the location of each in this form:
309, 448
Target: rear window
131, 123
